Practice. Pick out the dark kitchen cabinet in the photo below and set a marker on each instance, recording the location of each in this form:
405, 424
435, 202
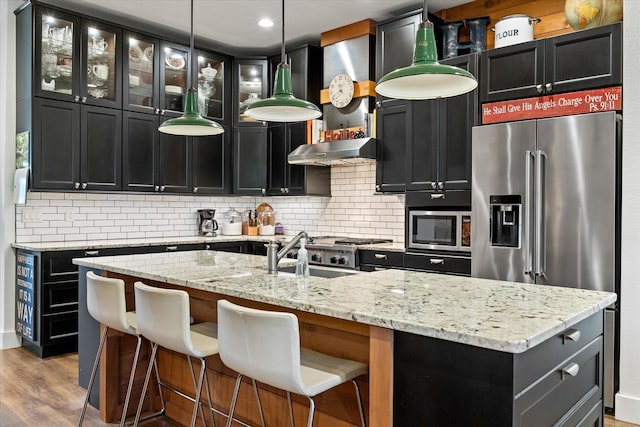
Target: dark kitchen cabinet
212, 74
76, 59
141, 73
286, 179
438, 156
250, 160
394, 131
426, 145
175, 78
305, 63
370, 260
558, 382
76, 147
156, 162
394, 43
56, 297
575, 61
250, 85
212, 164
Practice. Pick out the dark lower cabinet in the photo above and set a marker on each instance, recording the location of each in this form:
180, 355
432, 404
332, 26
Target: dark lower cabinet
557, 382
76, 147
249, 160
450, 263
580, 60
370, 260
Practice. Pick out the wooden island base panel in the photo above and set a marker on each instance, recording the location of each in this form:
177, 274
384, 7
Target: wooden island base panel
335, 408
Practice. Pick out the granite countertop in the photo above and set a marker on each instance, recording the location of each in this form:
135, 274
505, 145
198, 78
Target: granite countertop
503, 316
120, 243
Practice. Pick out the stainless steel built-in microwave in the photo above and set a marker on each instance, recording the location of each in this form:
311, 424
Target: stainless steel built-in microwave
439, 230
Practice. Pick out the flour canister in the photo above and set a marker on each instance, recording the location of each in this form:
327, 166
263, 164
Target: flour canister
514, 29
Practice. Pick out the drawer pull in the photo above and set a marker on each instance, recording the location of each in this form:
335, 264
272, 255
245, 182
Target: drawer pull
380, 256
437, 196
572, 335
172, 248
571, 369
436, 261
91, 253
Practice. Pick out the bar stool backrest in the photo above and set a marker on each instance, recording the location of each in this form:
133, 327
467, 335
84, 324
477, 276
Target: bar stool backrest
263, 345
106, 302
163, 317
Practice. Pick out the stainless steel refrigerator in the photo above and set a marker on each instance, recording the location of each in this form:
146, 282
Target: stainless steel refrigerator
546, 208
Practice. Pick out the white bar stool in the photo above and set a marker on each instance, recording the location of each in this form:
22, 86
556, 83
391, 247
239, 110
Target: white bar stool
107, 304
265, 346
164, 319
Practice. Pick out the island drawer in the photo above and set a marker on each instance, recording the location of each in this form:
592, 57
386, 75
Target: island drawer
534, 363
575, 383
381, 258
58, 328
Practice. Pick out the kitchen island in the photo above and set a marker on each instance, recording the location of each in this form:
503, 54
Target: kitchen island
441, 349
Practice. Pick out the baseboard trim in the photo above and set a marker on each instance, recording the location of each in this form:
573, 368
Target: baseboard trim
9, 339
627, 408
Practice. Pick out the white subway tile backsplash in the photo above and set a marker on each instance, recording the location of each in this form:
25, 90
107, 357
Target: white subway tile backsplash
353, 210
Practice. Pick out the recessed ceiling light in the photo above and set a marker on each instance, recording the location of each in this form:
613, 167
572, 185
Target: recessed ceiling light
266, 23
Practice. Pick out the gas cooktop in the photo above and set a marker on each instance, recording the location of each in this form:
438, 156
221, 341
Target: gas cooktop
336, 251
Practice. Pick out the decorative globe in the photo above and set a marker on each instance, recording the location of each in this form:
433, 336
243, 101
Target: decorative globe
582, 14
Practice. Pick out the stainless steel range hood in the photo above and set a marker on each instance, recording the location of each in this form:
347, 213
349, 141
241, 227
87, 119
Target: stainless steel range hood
342, 152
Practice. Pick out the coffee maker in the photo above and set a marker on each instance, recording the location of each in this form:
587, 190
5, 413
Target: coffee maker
207, 226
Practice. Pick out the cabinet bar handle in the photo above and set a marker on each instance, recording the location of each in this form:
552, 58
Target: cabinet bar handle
380, 256
437, 196
172, 248
436, 261
91, 253
571, 369
572, 335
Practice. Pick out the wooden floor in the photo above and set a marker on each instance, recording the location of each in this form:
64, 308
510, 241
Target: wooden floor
44, 392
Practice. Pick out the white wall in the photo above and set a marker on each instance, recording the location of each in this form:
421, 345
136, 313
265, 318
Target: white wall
8, 337
628, 398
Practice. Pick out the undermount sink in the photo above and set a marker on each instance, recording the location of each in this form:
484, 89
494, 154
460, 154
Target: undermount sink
315, 271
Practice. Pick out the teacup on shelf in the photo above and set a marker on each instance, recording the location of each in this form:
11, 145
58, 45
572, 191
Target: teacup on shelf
48, 86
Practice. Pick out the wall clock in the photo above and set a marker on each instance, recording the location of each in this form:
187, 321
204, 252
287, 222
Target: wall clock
341, 90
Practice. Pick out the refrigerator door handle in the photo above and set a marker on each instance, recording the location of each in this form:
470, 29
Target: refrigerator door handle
540, 263
528, 230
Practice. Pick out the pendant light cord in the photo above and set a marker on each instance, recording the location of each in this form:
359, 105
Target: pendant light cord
282, 54
191, 41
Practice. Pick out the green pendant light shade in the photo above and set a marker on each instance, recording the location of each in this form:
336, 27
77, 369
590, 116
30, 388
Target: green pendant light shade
191, 123
426, 78
283, 106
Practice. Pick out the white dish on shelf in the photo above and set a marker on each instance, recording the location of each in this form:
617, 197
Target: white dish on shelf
135, 53
173, 90
175, 62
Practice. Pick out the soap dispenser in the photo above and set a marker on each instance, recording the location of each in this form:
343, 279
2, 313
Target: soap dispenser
302, 267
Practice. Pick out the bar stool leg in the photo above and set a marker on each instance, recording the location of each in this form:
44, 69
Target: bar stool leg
293, 423
198, 394
360, 405
255, 388
103, 338
234, 399
312, 412
193, 378
206, 381
152, 361
130, 385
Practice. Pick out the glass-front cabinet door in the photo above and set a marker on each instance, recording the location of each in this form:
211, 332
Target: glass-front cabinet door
57, 53
102, 84
210, 73
252, 86
174, 77
140, 74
